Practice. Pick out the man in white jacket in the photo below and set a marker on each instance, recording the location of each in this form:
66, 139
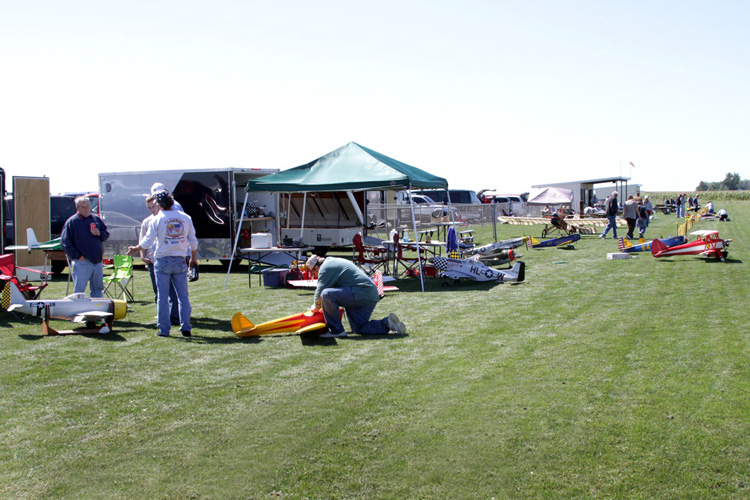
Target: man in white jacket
173, 233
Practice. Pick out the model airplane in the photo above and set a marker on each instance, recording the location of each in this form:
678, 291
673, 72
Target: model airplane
645, 246
488, 251
561, 242
97, 314
304, 322
707, 244
476, 271
33, 244
504, 256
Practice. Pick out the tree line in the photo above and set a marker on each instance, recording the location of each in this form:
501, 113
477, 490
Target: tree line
731, 182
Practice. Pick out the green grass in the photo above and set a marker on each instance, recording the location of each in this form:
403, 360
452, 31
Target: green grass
593, 379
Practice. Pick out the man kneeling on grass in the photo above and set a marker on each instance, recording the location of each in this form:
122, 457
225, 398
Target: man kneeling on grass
342, 284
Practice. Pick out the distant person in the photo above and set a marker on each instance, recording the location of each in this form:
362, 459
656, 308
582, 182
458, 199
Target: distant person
630, 211
724, 216
342, 284
610, 210
82, 238
710, 207
642, 222
649, 207
173, 233
680, 206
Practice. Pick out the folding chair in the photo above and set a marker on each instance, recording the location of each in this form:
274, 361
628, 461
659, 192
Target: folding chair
8, 275
122, 276
369, 258
409, 261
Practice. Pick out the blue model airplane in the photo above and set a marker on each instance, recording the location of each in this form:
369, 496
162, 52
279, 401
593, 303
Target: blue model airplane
562, 241
645, 246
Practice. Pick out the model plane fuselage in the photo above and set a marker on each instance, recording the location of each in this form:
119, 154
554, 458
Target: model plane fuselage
555, 242
495, 248
645, 246
476, 271
78, 307
304, 322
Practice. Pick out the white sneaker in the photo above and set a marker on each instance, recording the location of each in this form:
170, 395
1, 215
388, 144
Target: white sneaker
330, 335
395, 325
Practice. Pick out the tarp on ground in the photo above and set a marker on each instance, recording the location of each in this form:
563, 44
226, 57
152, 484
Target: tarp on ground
350, 168
550, 196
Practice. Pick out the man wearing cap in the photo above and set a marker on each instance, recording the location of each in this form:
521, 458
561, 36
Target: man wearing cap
174, 313
173, 234
610, 210
342, 284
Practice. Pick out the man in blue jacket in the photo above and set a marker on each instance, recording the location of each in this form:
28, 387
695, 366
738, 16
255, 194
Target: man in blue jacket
82, 238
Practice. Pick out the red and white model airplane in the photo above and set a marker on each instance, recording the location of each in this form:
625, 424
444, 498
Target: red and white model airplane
707, 244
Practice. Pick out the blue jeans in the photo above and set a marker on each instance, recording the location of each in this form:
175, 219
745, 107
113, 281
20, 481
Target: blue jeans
85, 273
358, 311
172, 271
612, 224
174, 312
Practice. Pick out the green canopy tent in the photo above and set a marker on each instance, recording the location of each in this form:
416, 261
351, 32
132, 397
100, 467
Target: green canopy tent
349, 168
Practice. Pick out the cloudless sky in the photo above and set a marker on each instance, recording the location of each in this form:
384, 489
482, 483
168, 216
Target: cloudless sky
489, 94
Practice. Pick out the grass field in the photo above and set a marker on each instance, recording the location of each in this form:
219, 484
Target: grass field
595, 378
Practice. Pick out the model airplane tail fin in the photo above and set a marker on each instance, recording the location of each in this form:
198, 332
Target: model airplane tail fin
531, 242
15, 299
520, 268
624, 244
657, 247
241, 324
641, 240
31, 237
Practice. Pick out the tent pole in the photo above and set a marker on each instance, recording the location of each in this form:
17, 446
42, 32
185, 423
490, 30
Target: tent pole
236, 238
302, 223
416, 238
356, 207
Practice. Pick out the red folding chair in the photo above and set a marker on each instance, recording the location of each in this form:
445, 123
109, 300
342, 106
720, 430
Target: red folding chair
369, 258
8, 274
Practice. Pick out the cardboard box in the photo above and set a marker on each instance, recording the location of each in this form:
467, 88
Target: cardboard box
275, 277
260, 240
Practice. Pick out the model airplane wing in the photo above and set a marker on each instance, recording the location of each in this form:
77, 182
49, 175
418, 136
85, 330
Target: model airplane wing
91, 316
33, 244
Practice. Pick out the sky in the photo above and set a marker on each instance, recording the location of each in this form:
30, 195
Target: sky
488, 94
